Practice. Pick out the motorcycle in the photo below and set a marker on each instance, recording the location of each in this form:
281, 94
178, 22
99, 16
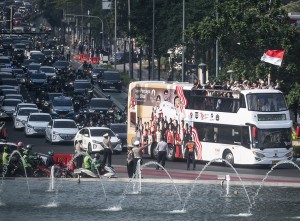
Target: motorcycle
107, 171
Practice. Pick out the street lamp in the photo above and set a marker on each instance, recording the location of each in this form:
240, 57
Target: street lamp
90, 16
153, 23
183, 47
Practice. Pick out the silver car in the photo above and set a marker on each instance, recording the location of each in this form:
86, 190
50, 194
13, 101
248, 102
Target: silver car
36, 123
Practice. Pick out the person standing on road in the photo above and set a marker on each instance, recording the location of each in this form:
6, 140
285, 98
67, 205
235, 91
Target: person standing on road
137, 153
190, 151
107, 151
162, 152
78, 150
130, 161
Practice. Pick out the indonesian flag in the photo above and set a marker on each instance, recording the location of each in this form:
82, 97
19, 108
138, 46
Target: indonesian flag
273, 57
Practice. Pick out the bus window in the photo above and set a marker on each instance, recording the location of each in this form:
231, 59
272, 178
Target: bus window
245, 137
229, 134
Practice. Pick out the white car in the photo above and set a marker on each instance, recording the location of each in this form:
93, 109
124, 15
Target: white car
61, 130
92, 138
21, 116
37, 123
21, 105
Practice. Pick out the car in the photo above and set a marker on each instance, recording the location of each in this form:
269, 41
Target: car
21, 116
33, 68
36, 123
101, 105
19, 75
14, 96
21, 105
97, 73
4, 92
61, 130
36, 80
48, 70
37, 56
6, 60
8, 107
110, 80
61, 66
11, 82
4, 75
83, 87
62, 107
120, 129
92, 138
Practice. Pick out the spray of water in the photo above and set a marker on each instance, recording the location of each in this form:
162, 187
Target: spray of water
266, 176
203, 169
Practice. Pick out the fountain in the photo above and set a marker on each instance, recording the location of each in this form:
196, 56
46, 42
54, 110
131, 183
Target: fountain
52, 179
154, 199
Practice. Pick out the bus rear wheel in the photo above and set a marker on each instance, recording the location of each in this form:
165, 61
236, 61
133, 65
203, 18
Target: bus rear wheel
228, 155
170, 153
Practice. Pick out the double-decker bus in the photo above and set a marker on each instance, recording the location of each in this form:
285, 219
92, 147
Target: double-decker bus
250, 127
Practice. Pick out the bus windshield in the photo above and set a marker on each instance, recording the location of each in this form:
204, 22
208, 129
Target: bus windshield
266, 102
274, 138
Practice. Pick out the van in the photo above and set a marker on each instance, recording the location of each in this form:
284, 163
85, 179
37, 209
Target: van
110, 80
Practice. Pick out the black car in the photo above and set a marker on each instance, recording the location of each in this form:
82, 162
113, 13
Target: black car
61, 66
110, 80
36, 80
100, 105
83, 87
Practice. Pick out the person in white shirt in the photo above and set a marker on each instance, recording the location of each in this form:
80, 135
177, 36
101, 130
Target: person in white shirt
162, 152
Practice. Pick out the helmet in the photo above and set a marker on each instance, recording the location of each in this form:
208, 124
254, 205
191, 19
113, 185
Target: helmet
51, 153
29, 147
97, 155
136, 143
20, 144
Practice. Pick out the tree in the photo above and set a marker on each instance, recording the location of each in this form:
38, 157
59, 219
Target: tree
245, 30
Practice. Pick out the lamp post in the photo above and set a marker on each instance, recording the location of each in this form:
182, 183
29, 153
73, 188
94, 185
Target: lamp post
153, 24
183, 46
115, 40
90, 16
217, 45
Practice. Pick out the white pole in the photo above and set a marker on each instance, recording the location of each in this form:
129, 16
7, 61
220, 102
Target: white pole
217, 46
183, 44
153, 23
115, 42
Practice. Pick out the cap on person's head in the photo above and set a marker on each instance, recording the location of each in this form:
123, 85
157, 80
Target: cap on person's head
105, 135
129, 147
80, 141
136, 143
207, 82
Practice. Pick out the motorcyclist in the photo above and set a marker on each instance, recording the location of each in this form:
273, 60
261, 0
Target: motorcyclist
87, 162
5, 156
20, 147
27, 163
96, 164
85, 65
50, 161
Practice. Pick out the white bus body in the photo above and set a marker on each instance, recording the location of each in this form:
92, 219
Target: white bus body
244, 127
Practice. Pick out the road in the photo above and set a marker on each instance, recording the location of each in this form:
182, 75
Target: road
39, 145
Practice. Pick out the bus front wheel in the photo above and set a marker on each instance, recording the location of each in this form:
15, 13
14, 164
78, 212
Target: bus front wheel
170, 153
229, 157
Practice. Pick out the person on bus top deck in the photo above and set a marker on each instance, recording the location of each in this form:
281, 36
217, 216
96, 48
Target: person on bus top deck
190, 151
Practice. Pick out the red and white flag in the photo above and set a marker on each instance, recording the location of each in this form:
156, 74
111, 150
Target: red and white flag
273, 57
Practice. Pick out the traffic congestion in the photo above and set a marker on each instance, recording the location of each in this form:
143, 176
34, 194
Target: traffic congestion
46, 95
